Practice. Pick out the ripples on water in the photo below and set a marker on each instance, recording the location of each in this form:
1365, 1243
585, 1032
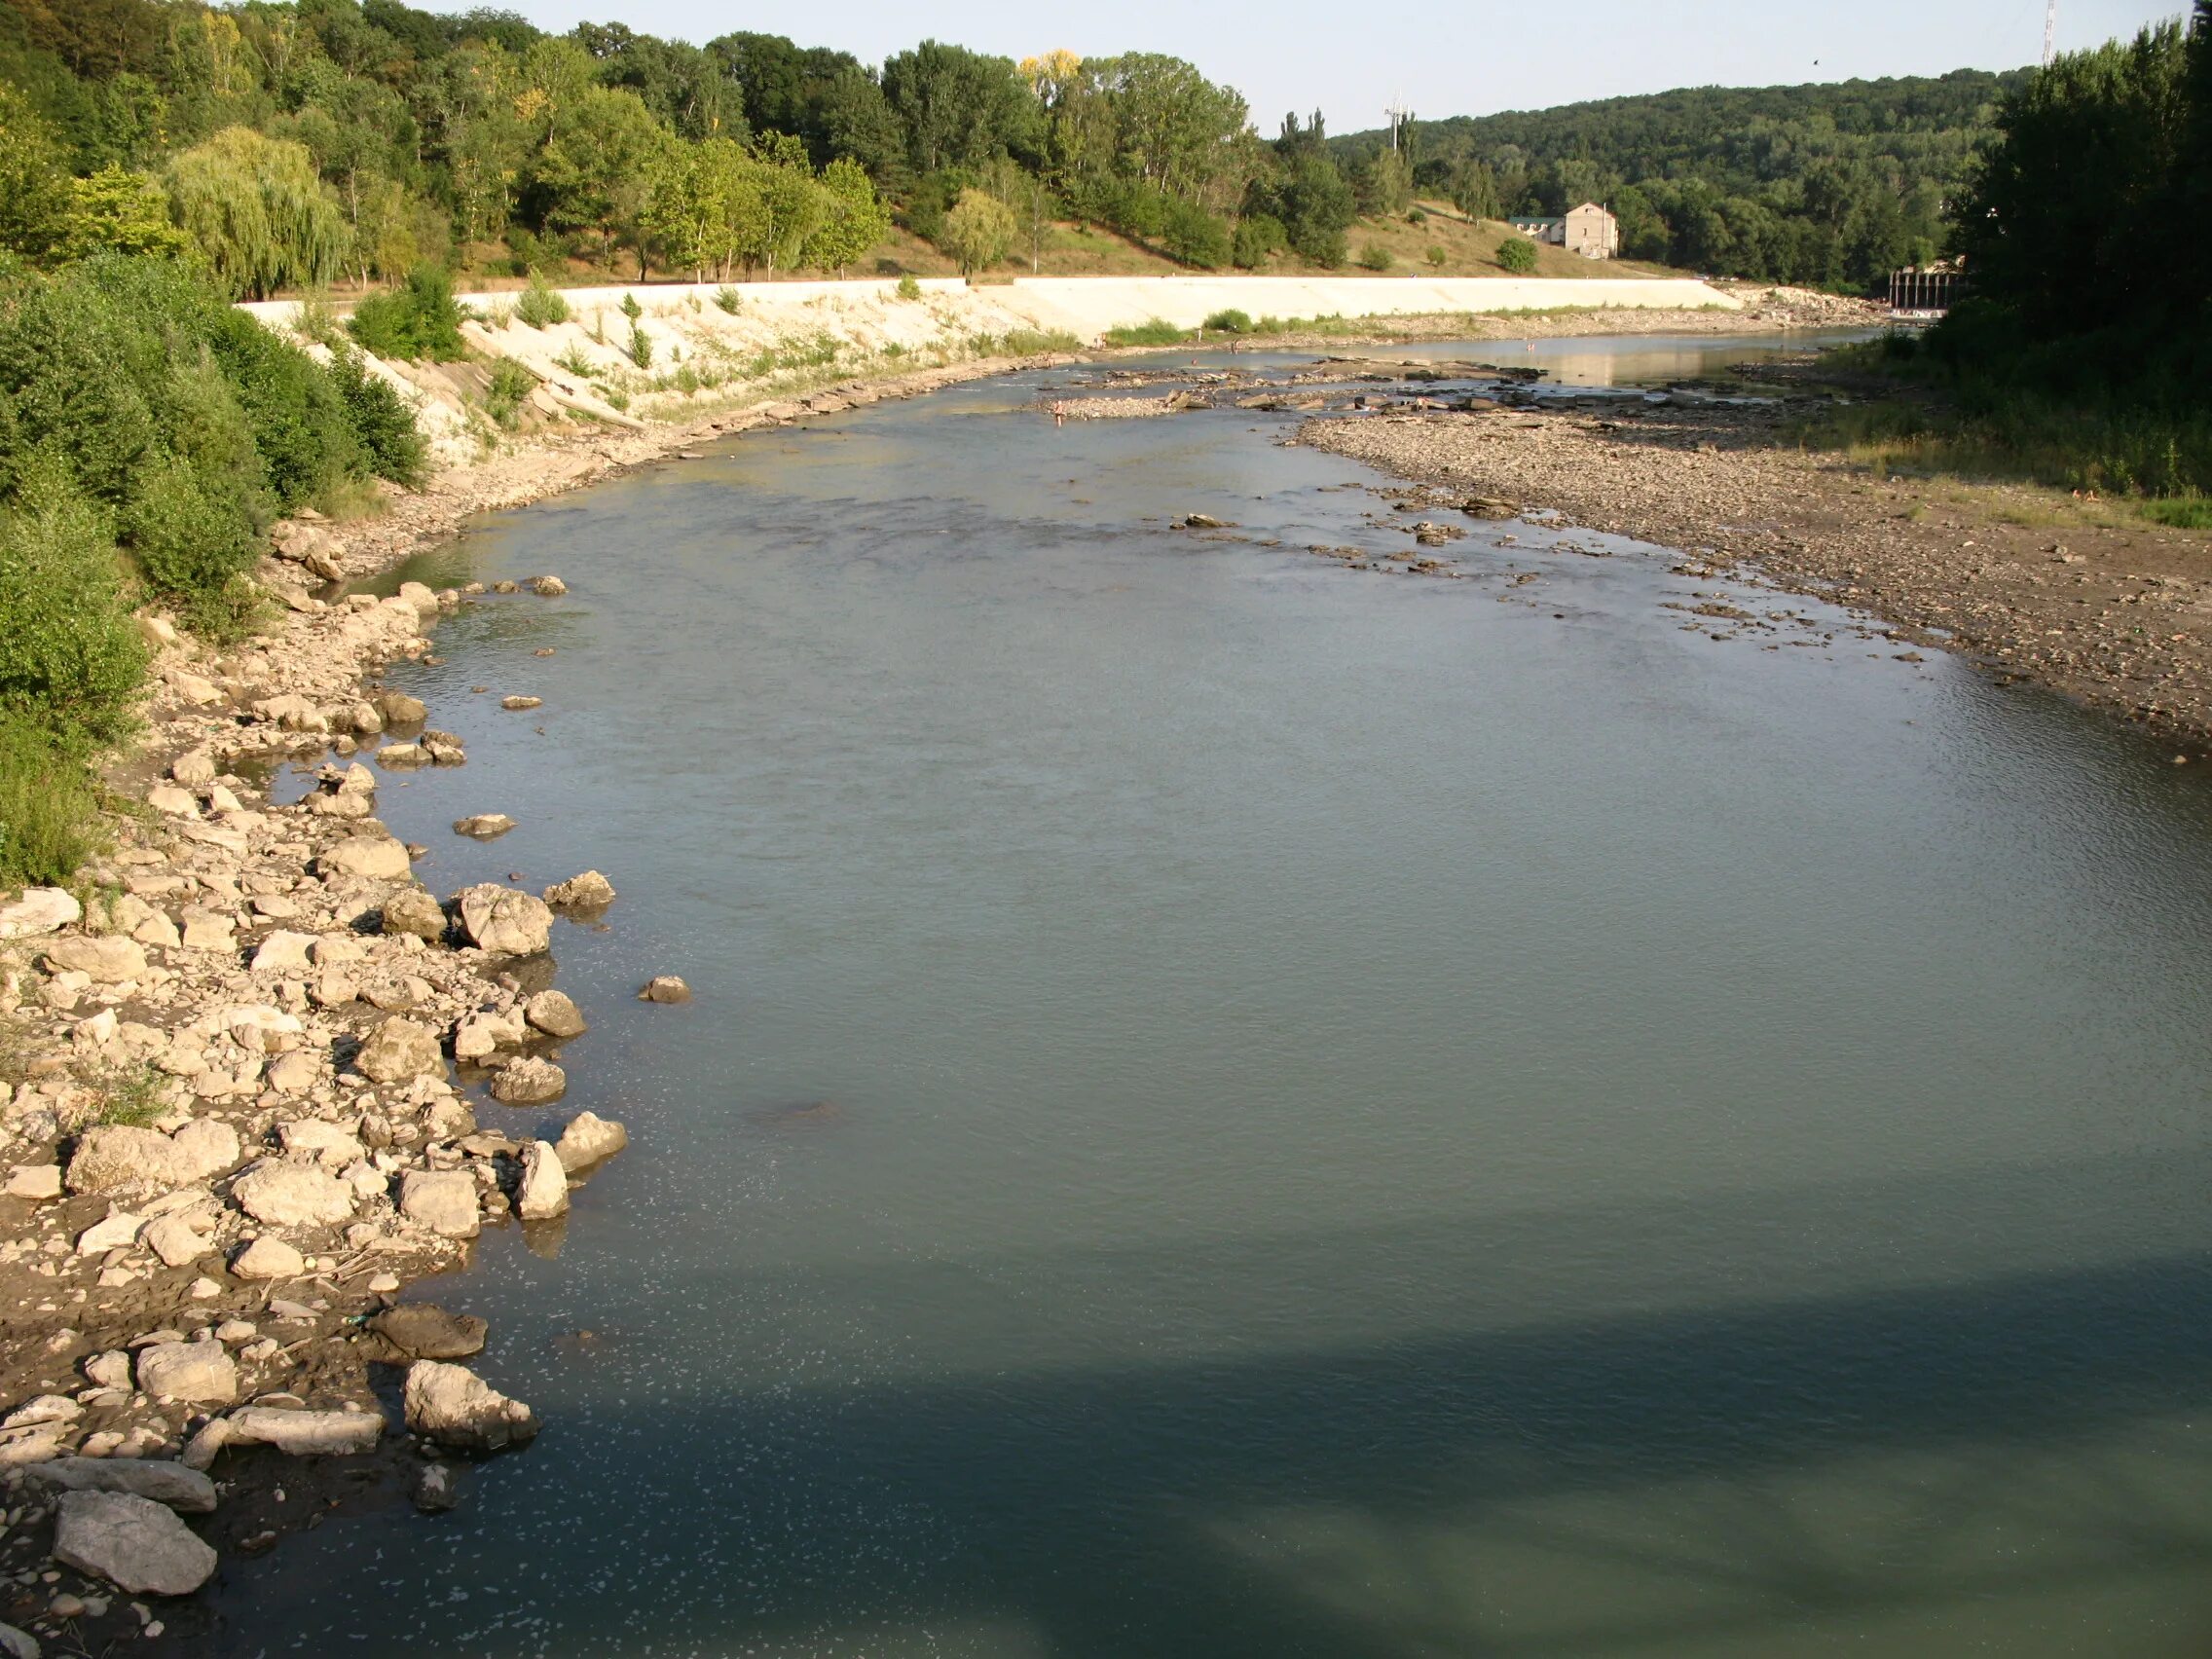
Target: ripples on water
1367, 1115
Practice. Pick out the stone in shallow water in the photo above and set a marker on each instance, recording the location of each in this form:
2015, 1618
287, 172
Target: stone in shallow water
455, 1407
665, 988
423, 1330
588, 1139
529, 1082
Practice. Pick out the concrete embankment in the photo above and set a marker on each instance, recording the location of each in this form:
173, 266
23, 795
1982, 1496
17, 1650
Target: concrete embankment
694, 347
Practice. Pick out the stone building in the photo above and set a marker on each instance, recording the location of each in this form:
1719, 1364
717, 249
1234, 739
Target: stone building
1588, 230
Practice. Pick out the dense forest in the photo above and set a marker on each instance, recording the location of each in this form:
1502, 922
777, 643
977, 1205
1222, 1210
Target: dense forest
1832, 185
2083, 351
302, 142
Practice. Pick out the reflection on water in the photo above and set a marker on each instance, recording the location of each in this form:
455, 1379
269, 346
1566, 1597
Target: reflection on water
1237, 1106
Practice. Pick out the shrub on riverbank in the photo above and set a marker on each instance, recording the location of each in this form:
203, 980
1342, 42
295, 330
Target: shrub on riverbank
1153, 331
418, 319
149, 434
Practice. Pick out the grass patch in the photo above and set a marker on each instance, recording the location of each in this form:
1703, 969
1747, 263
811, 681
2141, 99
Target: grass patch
1153, 331
1229, 322
135, 1098
2180, 512
511, 383
1026, 343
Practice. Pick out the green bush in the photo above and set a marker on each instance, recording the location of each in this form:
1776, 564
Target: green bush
728, 298
1517, 254
186, 540
70, 658
1376, 257
1032, 343
641, 347
1436, 256
630, 307
300, 423
1229, 322
511, 383
1193, 235
539, 305
48, 808
383, 424
1153, 331
908, 288
1258, 235
417, 320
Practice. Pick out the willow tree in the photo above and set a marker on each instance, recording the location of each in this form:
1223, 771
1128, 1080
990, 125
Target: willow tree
979, 231
256, 208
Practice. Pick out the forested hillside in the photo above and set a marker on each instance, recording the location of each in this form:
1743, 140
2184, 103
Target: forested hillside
306, 141
1821, 184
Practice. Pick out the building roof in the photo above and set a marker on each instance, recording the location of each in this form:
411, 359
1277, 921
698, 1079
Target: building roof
1590, 206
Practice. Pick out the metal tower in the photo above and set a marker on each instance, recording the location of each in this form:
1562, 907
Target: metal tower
2049, 32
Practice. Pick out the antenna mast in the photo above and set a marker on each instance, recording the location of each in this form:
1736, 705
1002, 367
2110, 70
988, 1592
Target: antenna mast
2049, 32
1399, 115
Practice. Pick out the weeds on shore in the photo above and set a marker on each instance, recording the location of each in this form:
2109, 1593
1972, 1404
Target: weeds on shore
1025, 343
1153, 331
135, 1098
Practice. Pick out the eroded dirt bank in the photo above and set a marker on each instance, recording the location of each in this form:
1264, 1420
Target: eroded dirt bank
2069, 595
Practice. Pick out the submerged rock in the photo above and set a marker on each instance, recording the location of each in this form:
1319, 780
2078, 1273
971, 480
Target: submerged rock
665, 988
529, 1082
422, 1330
590, 891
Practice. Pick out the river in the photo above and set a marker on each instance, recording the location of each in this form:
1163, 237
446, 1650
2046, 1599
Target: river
1242, 1106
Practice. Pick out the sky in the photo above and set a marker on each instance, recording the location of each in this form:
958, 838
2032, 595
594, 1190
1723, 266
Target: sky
1439, 58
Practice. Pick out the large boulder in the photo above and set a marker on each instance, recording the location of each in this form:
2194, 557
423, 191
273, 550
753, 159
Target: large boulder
107, 961
529, 1082
545, 1190
163, 1482
196, 1372
278, 1193
283, 952
40, 910
372, 858
304, 1433
267, 1257
443, 1201
134, 1543
555, 1014
399, 1051
589, 1139
455, 1407
114, 1158
501, 920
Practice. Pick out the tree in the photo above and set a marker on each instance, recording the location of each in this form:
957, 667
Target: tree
1517, 254
979, 231
34, 184
255, 207
960, 108
854, 217
118, 212
2063, 211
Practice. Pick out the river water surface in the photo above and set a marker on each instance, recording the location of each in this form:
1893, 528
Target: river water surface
1242, 1106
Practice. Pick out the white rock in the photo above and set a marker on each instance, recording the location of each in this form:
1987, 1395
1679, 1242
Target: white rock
456, 1407
40, 910
106, 961
555, 1014
442, 1199
292, 1074
117, 1230
109, 1370
283, 952
196, 1373
134, 1543
313, 1137
166, 1483
374, 858
504, 921
292, 1195
544, 1183
172, 1237
46, 1408
20, 1643
174, 802
195, 769
399, 1051
304, 1433
588, 1139
35, 1181
268, 1257
586, 892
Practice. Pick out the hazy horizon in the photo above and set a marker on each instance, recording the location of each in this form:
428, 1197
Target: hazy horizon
1296, 59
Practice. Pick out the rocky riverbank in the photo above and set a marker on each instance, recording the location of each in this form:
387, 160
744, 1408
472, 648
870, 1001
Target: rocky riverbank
237, 1124
2076, 596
